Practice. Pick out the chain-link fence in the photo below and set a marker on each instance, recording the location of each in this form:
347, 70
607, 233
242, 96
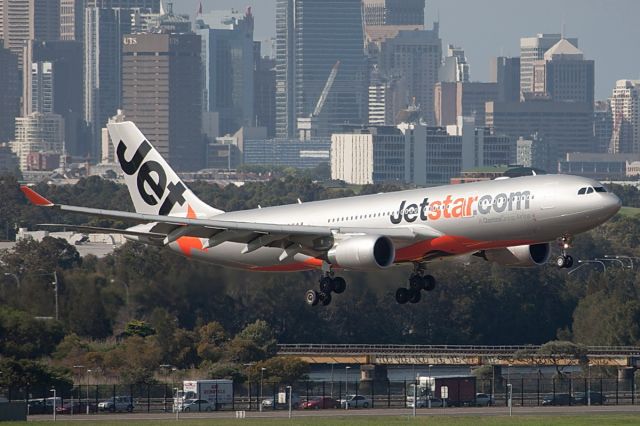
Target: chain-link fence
253, 396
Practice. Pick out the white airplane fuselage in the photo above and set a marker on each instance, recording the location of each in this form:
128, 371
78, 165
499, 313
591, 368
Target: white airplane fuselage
468, 217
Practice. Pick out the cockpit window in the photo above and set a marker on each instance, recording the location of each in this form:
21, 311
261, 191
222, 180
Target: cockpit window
581, 191
589, 190
599, 189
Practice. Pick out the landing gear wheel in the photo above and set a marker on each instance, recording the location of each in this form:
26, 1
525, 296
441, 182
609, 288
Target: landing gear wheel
326, 285
561, 261
414, 296
311, 297
569, 261
428, 283
339, 285
416, 283
325, 298
402, 295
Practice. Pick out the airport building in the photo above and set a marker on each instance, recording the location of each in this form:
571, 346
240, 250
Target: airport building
533, 49
597, 165
393, 12
311, 37
625, 109
162, 94
369, 155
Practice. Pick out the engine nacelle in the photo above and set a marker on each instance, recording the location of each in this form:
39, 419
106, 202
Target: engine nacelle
527, 255
363, 252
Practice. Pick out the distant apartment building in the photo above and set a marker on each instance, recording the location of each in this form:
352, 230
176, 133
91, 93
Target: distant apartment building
463, 99
228, 67
625, 109
162, 94
567, 126
9, 93
393, 12
533, 49
505, 72
454, 66
414, 56
374, 154
311, 36
535, 152
564, 75
23, 20
37, 133
602, 125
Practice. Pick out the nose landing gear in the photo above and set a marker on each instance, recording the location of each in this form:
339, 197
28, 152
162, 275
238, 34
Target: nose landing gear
564, 260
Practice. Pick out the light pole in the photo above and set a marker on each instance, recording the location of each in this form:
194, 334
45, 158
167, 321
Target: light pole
15, 277
589, 386
54, 403
332, 379
261, 379
429, 393
509, 388
289, 389
88, 375
79, 389
55, 293
346, 387
493, 381
415, 398
177, 406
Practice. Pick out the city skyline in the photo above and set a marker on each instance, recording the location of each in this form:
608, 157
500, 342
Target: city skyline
595, 23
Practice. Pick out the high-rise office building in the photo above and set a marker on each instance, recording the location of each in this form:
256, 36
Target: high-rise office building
602, 125
454, 66
506, 73
38, 133
566, 126
393, 12
24, 20
41, 87
453, 100
625, 109
311, 37
228, 68
9, 93
416, 57
533, 49
387, 97
564, 75
264, 88
162, 94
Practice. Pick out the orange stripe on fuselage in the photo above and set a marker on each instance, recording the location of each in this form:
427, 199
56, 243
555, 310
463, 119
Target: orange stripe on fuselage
453, 245
187, 244
311, 263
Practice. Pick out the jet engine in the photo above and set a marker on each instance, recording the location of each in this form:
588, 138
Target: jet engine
363, 252
526, 255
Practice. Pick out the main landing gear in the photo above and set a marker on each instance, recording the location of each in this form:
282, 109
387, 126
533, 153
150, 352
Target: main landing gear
328, 284
564, 260
418, 281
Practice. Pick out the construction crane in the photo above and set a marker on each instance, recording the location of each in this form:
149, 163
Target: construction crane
308, 126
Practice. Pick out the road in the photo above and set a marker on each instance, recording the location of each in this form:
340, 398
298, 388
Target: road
467, 411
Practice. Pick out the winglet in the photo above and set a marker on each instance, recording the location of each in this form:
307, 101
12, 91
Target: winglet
34, 197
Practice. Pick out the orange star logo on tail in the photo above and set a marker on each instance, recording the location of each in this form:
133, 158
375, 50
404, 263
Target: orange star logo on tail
187, 244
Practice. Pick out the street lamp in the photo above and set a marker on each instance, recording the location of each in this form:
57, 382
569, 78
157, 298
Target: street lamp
261, 379
415, 397
509, 389
429, 393
289, 389
346, 387
88, 375
176, 406
54, 403
589, 386
332, 364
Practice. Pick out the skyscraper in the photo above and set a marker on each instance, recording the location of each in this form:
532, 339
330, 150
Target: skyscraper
264, 88
602, 125
24, 20
9, 93
625, 108
228, 64
564, 75
311, 36
454, 66
393, 12
162, 84
506, 72
533, 49
41, 87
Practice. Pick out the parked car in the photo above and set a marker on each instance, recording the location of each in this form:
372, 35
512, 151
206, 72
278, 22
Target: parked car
424, 403
118, 403
196, 405
355, 401
596, 398
557, 399
484, 400
320, 402
267, 403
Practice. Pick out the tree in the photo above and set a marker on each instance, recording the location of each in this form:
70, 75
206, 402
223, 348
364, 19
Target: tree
284, 369
138, 328
22, 336
34, 375
211, 340
560, 350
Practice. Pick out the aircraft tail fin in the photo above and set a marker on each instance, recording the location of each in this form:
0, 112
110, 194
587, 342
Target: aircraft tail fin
153, 185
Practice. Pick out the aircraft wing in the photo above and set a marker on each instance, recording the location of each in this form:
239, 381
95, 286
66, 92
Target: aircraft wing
255, 235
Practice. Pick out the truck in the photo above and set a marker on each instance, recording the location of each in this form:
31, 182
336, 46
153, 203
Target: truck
442, 391
203, 395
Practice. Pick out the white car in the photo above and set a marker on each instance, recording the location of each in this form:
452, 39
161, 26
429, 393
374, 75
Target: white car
355, 401
484, 400
191, 405
118, 403
267, 403
424, 403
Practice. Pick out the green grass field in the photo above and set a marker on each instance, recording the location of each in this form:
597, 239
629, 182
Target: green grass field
629, 211
562, 420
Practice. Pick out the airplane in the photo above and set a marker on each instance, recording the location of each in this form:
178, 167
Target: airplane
510, 221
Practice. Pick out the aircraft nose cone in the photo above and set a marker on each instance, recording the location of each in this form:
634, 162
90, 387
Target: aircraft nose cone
613, 204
